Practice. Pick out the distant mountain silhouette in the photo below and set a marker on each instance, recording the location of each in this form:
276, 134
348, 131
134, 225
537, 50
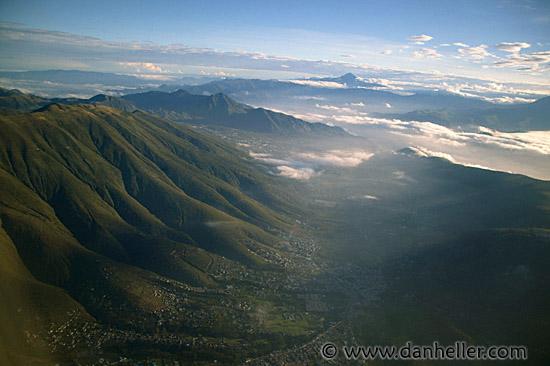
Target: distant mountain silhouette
221, 110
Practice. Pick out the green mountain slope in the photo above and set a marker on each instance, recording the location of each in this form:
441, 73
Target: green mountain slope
28, 305
219, 109
136, 188
13, 102
100, 99
31, 237
101, 209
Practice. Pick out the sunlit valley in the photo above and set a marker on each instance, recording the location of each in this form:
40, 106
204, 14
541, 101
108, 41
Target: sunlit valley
165, 203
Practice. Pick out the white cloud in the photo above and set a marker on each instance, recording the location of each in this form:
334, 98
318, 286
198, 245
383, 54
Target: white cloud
300, 174
537, 141
311, 117
422, 151
476, 53
460, 44
317, 83
421, 38
426, 52
219, 73
347, 56
335, 108
308, 97
266, 158
305, 165
387, 52
512, 47
526, 62
144, 67
337, 157
534, 141
369, 197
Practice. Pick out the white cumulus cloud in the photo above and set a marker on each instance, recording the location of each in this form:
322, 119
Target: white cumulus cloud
144, 67
512, 47
475, 53
427, 52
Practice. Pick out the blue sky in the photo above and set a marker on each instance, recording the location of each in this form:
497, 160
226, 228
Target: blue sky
504, 40
197, 22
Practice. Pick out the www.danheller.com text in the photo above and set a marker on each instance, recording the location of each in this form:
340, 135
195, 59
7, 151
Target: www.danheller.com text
435, 351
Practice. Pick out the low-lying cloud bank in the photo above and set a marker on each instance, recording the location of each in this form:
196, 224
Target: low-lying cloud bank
537, 141
523, 153
304, 165
296, 173
337, 157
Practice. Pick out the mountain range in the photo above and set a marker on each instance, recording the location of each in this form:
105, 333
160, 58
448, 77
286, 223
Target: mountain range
340, 90
301, 97
181, 106
446, 109
219, 109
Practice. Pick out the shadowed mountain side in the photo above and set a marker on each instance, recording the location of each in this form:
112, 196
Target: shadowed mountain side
27, 304
484, 286
221, 110
134, 188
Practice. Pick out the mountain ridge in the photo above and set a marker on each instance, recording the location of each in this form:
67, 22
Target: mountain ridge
220, 109
181, 106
